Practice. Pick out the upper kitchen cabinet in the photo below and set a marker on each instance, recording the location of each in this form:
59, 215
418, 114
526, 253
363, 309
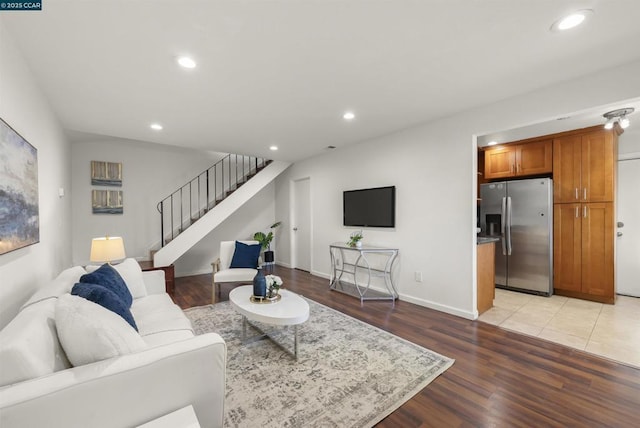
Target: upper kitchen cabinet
518, 160
584, 166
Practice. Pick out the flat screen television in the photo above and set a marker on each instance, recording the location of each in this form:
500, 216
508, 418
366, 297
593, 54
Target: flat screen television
370, 207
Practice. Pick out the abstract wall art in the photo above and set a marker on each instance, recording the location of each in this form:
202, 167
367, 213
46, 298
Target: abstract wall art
106, 173
19, 210
106, 201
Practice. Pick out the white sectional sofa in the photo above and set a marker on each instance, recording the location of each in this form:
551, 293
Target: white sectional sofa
169, 367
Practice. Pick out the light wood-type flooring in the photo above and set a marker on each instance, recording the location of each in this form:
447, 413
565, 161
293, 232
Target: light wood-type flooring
500, 378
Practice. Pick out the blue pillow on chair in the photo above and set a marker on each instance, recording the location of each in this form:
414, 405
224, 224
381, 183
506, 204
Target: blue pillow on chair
105, 298
109, 278
245, 256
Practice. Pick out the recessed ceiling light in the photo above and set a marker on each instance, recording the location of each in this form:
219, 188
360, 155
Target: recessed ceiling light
273, 148
492, 143
156, 126
349, 115
186, 62
572, 20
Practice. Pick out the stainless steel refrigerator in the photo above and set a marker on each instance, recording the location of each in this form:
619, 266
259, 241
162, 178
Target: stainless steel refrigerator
520, 213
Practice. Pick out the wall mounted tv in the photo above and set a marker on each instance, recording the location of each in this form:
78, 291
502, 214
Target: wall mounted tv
370, 207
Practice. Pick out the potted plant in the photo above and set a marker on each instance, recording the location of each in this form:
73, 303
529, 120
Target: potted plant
264, 239
355, 239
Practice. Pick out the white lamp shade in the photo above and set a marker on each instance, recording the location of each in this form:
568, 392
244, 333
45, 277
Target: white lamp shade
107, 249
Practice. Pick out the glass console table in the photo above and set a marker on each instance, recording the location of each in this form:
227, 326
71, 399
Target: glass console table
363, 264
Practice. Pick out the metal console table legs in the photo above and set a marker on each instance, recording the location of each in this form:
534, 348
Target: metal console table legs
339, 267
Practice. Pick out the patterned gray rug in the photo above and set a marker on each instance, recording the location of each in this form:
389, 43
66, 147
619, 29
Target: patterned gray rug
348, 373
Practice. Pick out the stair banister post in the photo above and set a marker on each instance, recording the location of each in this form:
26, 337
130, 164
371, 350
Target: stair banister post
161, 204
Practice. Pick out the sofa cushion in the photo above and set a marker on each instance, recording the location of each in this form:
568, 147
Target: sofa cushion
106, 276
29, 345
89, 333
105, 298
166, 337
60, 285
245, 256
235, 275
131, 273
157, 313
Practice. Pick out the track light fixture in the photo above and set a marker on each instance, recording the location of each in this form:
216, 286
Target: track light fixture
619, 116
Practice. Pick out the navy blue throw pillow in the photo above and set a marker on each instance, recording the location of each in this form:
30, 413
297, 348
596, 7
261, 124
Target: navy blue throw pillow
105, 298
108, 277
245, 256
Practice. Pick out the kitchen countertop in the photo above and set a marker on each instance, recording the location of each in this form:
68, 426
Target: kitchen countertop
487, 239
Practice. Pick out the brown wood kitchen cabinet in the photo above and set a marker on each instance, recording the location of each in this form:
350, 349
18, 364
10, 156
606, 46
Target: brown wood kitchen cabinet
516, 160
584, 170
583, 250
584, 167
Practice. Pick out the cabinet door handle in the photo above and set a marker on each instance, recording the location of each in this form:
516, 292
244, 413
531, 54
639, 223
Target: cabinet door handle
585, 193
576, 193
584, 211
577, 214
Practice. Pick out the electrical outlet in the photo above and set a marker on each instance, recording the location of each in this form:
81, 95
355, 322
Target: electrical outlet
418, 276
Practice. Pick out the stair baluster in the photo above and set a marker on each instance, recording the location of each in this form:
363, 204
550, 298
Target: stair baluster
251, 165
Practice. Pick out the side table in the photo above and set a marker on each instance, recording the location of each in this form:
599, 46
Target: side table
340, 267
169, 274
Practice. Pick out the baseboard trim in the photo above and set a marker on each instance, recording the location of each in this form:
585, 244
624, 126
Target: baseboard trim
191, 273
416, 300
439, 307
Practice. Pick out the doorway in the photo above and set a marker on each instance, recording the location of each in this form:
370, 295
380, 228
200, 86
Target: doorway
628, 240
301, 224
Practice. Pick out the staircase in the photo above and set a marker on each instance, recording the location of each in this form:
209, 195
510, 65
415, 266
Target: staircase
199, 206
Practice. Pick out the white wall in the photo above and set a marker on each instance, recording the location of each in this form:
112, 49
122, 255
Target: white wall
434, 170
629, 141
151, 172
26, 110
255, 215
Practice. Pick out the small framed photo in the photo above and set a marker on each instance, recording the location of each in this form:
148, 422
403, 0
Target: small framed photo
106, 202
106, 173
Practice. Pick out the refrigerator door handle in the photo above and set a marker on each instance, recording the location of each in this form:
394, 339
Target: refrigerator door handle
509, 248
503, 226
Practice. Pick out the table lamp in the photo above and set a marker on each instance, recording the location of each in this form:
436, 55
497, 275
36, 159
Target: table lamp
107, 249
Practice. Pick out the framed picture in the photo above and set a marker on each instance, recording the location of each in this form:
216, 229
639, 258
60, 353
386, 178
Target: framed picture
106, 173
19, 210
106, 201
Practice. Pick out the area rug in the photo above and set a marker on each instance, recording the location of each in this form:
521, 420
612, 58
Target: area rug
348, 373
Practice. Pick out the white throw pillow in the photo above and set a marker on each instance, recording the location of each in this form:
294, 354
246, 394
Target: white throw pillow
29, 345
60, 285
131, 273
89, 333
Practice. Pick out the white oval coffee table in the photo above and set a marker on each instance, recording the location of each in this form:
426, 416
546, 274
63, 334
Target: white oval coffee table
291, 309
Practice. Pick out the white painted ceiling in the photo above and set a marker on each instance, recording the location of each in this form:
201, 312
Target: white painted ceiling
283, 72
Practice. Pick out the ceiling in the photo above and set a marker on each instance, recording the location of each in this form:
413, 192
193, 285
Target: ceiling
283, 72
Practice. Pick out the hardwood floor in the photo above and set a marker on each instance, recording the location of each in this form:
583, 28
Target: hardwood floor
499, 378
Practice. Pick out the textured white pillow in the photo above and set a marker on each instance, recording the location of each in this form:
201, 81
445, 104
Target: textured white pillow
88, 332
60, 285
131, 273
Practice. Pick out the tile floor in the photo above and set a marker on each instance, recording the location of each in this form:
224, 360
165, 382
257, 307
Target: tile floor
611, 331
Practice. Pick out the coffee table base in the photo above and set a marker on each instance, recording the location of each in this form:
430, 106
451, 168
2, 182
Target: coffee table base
263, 335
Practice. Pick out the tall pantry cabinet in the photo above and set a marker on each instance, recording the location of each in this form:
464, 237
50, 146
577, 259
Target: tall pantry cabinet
584, 172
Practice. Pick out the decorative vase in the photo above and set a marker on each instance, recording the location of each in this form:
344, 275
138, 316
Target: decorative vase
259, 284
359, 244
